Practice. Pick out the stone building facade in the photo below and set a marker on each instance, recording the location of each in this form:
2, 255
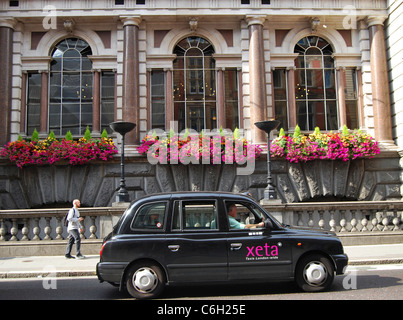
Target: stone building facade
66, 65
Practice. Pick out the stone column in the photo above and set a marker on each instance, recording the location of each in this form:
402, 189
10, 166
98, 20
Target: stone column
43, 130
220, 99
341, 96
292, 104
379, 81
169, 107
96, 103
257, 81
6, 63
131, 105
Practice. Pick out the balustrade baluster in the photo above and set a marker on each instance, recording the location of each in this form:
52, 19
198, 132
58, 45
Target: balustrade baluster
379, 218
25, 231
93, 228
310, 221
3, 230
300, 223
364, 221
47, 230
321, 222
385, 222
36, 230
353, 222
332, 222
14, 230
59, 228
395, 220
343, 221
82, 230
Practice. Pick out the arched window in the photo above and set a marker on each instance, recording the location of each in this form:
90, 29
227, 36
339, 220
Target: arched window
315, 91
70, 84
194, 78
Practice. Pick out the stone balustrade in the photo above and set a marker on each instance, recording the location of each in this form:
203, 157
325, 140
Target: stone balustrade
47, 224
39, 227
342, 217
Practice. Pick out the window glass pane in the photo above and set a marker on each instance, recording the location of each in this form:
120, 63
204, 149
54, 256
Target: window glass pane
70, 83
150, 216
210, 81
240, 215
332, 122
330, 84
195, 215
180, 115
195, 119
351, 98
302, 116
86, 117
33, 102
231, 99
315, 90
158, 99
281, 114
279, 84
107, 99
315, 85
194, 84
352, 114
54, 118
350, 85
70, 118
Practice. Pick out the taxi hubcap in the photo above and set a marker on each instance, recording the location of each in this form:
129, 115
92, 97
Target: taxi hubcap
315, 273
145, 280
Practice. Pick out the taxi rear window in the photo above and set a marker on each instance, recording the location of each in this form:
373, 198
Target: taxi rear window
195, 215
150, 216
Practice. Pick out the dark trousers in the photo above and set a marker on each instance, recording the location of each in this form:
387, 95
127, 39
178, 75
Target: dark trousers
74, 236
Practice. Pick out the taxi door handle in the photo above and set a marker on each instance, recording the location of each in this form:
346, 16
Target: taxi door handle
174, 248
236, 246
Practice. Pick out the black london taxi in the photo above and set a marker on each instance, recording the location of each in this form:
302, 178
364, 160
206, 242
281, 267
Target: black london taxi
212, 237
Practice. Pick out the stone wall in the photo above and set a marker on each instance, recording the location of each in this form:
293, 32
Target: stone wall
96, 184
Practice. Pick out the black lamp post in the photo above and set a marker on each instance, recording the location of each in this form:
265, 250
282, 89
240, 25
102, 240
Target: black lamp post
270, 192
122, 128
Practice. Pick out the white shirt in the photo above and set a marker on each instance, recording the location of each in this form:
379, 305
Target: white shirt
73, 218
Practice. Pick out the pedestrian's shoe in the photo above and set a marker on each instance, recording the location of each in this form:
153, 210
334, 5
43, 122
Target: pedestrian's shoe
80, 256
69, 256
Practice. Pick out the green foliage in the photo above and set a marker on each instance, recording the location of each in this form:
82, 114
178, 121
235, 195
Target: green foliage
297, 131
345, 131
35, 136
87, 134
104, 134
69, 136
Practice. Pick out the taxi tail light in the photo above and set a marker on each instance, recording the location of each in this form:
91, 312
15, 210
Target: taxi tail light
102, 249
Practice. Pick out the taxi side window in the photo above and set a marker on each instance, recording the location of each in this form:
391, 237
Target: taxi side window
150, 216
241, 215
195, 215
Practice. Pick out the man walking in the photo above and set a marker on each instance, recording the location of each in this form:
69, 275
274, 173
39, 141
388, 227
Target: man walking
73, 229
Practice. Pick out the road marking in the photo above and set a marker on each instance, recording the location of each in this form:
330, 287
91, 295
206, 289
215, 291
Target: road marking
374, 267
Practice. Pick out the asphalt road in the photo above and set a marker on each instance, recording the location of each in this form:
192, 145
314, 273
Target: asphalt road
383, 282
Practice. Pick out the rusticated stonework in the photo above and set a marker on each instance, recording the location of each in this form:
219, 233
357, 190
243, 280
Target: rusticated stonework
96, 184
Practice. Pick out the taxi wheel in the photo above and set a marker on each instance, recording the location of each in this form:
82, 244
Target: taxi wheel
145, 281
314, 273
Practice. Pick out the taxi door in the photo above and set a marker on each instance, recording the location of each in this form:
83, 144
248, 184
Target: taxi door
256, 253
196, 249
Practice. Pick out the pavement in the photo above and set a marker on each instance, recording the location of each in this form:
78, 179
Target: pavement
59, 266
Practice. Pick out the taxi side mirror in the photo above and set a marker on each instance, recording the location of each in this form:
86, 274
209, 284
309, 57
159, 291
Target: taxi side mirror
268, 224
